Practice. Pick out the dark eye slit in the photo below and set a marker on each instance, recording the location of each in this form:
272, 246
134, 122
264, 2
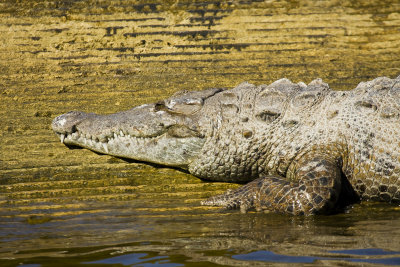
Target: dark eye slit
160, 106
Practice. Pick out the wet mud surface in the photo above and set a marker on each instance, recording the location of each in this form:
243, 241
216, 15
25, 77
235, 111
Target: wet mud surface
108, 56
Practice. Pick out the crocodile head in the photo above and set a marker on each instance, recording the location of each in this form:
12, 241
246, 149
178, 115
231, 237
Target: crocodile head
215, 134
170, 132
283, 129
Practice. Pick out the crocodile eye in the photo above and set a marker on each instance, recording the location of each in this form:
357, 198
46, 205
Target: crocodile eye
160, 106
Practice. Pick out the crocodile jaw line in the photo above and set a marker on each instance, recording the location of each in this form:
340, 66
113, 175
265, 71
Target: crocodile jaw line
160, 149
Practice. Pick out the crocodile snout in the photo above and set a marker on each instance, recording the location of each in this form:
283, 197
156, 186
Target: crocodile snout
66, 123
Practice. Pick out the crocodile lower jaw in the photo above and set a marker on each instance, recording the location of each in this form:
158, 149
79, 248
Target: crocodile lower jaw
161, 149
104, 144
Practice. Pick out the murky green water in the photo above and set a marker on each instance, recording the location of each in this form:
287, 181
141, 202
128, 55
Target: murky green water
126, 235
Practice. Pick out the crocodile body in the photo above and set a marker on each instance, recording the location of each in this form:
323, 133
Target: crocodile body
301, 149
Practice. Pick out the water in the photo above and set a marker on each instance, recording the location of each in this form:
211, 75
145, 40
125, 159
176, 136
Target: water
127, 236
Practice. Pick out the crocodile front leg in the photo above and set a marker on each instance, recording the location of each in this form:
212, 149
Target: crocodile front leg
313, 188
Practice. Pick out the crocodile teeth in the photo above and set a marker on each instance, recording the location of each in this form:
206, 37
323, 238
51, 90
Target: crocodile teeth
105, 147
62, 137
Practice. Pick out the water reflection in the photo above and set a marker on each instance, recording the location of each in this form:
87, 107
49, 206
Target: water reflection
210, 258
137, 259
268, 256
369, 233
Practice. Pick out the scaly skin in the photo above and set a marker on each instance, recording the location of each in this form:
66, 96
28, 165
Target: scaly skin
303, 149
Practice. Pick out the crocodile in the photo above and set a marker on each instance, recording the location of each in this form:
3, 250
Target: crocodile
297, 148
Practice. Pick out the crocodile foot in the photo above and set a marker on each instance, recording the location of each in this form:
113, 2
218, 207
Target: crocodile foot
316, 189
